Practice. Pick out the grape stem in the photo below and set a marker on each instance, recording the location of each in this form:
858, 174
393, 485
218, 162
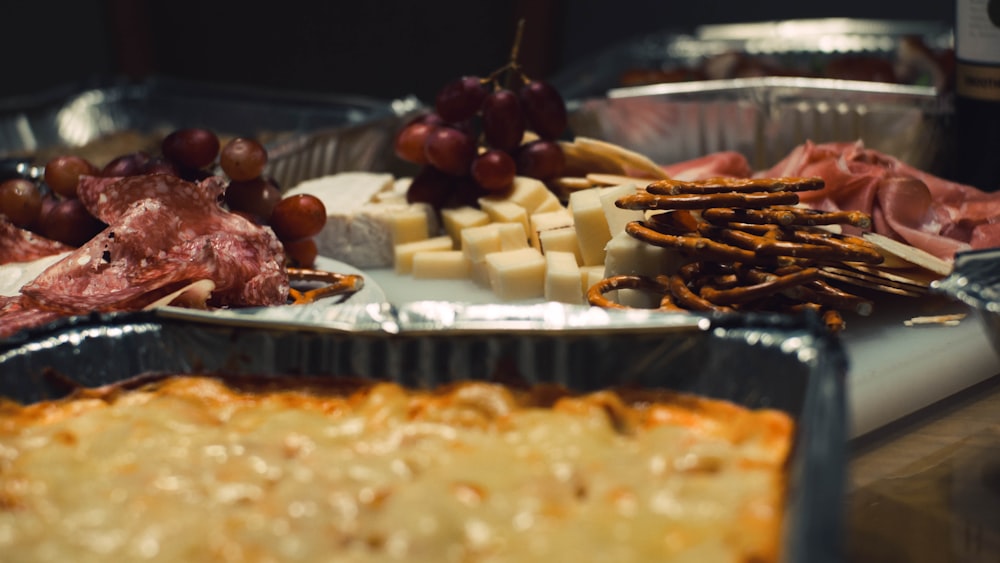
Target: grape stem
512, 67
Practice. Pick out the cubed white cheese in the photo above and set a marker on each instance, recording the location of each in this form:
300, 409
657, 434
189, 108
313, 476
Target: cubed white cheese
517, 274
616, 217
560, 240
590, 275
404, 252
455, 219
448, 264
477, 242
546, 221
591, 225
505, 211
562, 278
529, 193
629, 256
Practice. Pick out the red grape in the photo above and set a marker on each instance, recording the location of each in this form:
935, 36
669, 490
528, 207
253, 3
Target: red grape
69, 223
62, 173
302, 253
544, 109
465, 192
191, 147
450, 150
243, 159
430, 186
410, 140
159, 166
20, 201
460, 99
256, 197
503, 120
130, 164
298, 216
540, 159
494, 170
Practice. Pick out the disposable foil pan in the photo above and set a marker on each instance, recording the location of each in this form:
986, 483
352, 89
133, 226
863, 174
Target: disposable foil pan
307, 135
788, 363
763, 118
975, 281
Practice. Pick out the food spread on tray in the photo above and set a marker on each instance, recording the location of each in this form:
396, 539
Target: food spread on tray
146, 231
190, 468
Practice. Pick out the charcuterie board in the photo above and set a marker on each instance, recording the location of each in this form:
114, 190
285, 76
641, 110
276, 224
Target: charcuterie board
896, 366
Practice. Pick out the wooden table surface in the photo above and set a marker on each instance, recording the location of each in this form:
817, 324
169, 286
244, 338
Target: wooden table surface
927, 488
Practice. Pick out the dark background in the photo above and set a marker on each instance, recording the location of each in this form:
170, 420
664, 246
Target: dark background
378, 48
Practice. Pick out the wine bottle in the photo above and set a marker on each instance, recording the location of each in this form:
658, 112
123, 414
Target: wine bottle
977, 93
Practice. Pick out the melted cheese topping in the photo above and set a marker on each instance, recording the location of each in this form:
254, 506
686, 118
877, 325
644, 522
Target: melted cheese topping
192, 470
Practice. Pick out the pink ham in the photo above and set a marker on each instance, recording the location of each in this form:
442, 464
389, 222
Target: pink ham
728, 164
907, 204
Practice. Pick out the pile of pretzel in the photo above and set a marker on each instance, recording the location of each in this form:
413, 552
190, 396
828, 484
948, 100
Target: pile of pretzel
747, 246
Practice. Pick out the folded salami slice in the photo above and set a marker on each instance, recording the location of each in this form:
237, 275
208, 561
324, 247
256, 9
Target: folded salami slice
164, 233
20, 245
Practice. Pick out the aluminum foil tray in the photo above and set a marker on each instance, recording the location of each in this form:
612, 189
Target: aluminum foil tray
307, 135
791, 364
975, 281
763, 118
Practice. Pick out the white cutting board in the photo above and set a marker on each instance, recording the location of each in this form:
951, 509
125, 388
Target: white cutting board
894, 369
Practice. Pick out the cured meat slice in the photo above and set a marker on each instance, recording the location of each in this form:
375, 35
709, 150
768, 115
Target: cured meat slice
20, 245
164, 233
727, 164
906, 204
16, 316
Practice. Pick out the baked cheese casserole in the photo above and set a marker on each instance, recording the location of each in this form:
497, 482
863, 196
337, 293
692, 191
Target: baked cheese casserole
196, 469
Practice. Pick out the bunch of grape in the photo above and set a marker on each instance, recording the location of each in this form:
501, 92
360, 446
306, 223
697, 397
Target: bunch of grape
481, 133
53, 210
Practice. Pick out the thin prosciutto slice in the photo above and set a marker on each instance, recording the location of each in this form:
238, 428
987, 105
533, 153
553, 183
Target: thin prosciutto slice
164, 234
906, 204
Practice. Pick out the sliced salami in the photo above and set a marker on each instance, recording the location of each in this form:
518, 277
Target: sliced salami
20, 245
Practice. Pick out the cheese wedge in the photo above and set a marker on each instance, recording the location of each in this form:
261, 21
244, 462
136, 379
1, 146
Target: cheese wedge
359, 230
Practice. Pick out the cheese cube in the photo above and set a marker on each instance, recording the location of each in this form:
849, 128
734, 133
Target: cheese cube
629, 256
562, 278
448, 264
529, 193
590, 275
408, 225
477, 242
517, 274
560, 240
546, 221
550, 203
615, 217
479, 273
455, 219
404, 252
512, 236
591, 225
505, 211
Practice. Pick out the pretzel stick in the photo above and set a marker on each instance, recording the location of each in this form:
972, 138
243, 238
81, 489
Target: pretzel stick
687, 298
770, 285
787, 216
705, 201
670, 186
596, 294
703, 247
823, 249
